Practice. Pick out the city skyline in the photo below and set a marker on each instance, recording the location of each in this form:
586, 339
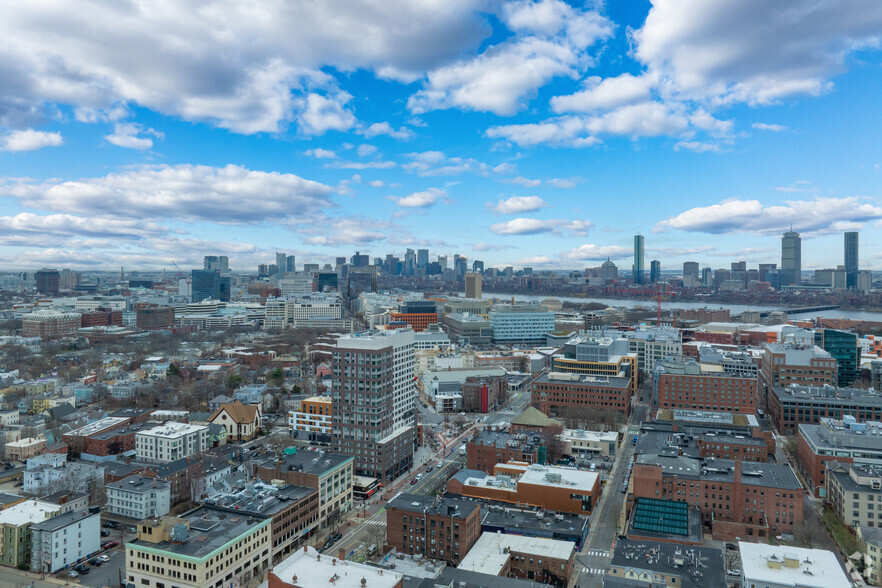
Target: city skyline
126, 141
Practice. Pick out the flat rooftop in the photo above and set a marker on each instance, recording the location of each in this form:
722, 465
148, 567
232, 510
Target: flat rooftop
489, 554
808, 568
426, 504
697, 567
110, 422
210, 530
310, 568
30, 511
172, 430
310, 462
66, 519
548, 476
138, 484
723, 470
583, 380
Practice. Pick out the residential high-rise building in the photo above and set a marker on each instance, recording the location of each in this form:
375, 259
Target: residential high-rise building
48, 281
690, 273
473, 285
654, 271
209, 284
851, 258
791, 259
373, 401
422, 258
639, 262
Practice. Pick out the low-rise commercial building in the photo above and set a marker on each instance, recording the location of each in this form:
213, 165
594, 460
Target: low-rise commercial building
546, 561
598, 356
846, 441
137, 497
65, 539
790, 567
207, 546
306, 567
294, 511
444, 529
578, 442
549, 487
330, 473
656, 563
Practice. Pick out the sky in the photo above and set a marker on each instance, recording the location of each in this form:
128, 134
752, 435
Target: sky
526, 133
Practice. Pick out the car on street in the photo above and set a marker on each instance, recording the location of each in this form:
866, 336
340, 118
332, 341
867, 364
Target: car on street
105, 533
95, 562
104, 558
414, 481
109, 544
73, 574
429, 469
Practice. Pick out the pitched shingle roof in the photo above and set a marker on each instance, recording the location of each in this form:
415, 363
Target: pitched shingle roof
239, 412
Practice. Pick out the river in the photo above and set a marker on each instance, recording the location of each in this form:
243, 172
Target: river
733, 308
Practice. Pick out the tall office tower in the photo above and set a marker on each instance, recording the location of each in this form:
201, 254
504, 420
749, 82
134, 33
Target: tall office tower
281, 263
359, 260
340, 261
460, 265
48, 281
263, 269
637, 269
654, 271
373, 399
442, 261
209, 284
422, 258
851, 259
791, 259
739, 266
473, 285
764, 269
478, 266
608, 270
409, 262
690, 273
290, 264
220, 263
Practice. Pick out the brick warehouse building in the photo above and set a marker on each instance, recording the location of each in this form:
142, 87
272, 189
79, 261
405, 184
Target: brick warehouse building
558, 394
692, 386
753, 501
443, 529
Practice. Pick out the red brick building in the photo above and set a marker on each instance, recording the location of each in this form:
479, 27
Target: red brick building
153, 316
102, 317
735, 498
482, 393
489, 448
559, 394
443, 529
688, 386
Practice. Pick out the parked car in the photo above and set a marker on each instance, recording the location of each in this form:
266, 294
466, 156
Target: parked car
110, 524
414, 481
109, 544
73, 573
104, 558
95, 562
335, 537
132, 529
105, 533
429, 469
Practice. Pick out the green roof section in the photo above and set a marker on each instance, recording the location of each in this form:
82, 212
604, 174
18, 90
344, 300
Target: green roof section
533, 417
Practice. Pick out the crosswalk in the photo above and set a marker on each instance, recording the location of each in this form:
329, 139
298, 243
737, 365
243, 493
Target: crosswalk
379, 523
597, 552
593, 571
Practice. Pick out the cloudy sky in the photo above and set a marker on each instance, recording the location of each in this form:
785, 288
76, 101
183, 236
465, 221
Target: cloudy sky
518, 132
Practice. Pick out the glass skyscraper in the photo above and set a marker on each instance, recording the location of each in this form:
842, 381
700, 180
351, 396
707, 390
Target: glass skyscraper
851, 259
637, 271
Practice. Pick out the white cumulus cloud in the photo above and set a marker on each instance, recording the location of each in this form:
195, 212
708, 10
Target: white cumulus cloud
518, 205
29, 140
533, 226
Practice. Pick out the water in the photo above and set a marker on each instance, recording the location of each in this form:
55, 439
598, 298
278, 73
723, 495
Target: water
733, 308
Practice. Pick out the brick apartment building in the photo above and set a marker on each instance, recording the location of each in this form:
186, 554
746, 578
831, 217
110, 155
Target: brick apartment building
736, 499
444, 529
846, 441
692, 386
559, 395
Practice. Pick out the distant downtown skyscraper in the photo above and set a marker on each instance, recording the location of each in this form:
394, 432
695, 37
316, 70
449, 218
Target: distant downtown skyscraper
791, 259
655, 271
639, 263
851, 259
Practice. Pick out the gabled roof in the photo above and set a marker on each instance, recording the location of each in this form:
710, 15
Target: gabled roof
240, 413
533, 417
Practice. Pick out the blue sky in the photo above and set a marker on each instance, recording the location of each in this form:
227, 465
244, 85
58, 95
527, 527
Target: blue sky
518, 132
